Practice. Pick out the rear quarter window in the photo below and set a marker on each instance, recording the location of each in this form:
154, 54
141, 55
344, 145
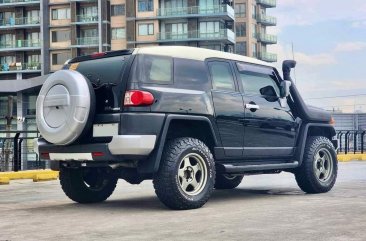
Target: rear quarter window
157, 69
190, 74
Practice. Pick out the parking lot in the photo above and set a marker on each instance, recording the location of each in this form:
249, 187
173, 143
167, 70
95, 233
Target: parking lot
266, 207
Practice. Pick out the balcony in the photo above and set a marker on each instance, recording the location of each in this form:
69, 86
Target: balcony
12, 3
223, 11
86, 19
267, 3
86, 42
267, 38
20, 45
266, 20
20, 22
20, 68
268, 57
224, 35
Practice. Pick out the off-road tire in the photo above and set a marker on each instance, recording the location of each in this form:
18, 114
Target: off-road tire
227, 182
306, 176
74, 186
167, 182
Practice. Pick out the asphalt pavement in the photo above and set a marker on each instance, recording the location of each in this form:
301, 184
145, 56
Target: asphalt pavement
263, 207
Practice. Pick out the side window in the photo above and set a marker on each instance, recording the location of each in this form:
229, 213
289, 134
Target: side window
222, 77
258, 80
158, 69
190, 74
259, 84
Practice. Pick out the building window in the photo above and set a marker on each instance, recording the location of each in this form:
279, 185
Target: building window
146, 29
254, 50
118, 33
209, 27
60, 58
145, 5
60, 36
240, 10
254, 30
254, 12
61, 13
241, 48
240, 29
118, 10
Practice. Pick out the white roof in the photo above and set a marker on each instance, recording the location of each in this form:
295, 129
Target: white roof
196, 54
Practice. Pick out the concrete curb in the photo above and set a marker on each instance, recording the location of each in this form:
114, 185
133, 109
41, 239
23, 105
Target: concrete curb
351, 157
35, 175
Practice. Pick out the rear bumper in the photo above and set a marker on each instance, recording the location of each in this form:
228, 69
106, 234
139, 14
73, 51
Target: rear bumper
122, 147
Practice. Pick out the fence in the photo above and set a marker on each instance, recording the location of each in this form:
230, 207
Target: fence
351, 141
16, 151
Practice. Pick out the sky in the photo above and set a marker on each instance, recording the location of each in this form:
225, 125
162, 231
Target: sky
329, 40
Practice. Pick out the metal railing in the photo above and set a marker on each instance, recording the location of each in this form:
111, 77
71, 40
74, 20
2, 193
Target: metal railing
85, 18
266, 56
87, 41
267, 3
18, 1
20, 44
267, 38
22, 66
20, 21
197, 34
266, 20
351, 141
16, 151
195, 10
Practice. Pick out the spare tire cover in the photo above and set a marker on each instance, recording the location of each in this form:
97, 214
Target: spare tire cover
63, 107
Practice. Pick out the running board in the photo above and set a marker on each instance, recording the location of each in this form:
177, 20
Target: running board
229, 168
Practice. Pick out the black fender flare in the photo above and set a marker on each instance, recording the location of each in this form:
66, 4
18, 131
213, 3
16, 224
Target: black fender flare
151, 165
303, 138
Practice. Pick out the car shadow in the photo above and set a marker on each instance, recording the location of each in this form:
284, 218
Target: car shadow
152, 204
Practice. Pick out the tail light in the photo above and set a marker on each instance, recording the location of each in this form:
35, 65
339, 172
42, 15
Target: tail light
138, 98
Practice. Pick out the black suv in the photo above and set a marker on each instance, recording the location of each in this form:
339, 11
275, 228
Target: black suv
190, 119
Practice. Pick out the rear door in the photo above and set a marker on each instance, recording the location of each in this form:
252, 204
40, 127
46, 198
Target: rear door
229, 108
269, 126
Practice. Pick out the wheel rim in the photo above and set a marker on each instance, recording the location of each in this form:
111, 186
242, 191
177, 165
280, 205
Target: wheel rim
94, 179
323, 165
192, 174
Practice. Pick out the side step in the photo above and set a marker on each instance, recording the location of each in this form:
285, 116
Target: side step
230, 168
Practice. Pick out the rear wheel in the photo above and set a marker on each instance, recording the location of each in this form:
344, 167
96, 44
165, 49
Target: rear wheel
227, 181
186, 176
318, 171
87, 185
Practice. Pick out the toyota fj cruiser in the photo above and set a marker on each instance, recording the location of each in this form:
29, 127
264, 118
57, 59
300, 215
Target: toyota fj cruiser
190, 119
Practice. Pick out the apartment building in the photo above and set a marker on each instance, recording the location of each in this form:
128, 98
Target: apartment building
38, 36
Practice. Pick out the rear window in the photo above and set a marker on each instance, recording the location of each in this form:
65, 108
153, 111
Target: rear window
103, 70
157, 69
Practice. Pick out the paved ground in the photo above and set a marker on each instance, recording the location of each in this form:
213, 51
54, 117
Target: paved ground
267, 207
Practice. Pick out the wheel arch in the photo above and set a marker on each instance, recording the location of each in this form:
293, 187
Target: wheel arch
199, 127
314, 129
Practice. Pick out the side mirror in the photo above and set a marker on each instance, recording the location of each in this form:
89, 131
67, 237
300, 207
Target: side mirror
285, 88
269, 93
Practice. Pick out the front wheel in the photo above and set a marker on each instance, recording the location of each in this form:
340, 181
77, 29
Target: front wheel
318, 171
186, 176
87, 185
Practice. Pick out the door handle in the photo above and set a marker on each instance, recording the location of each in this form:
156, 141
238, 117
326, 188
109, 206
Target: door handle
252, 106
